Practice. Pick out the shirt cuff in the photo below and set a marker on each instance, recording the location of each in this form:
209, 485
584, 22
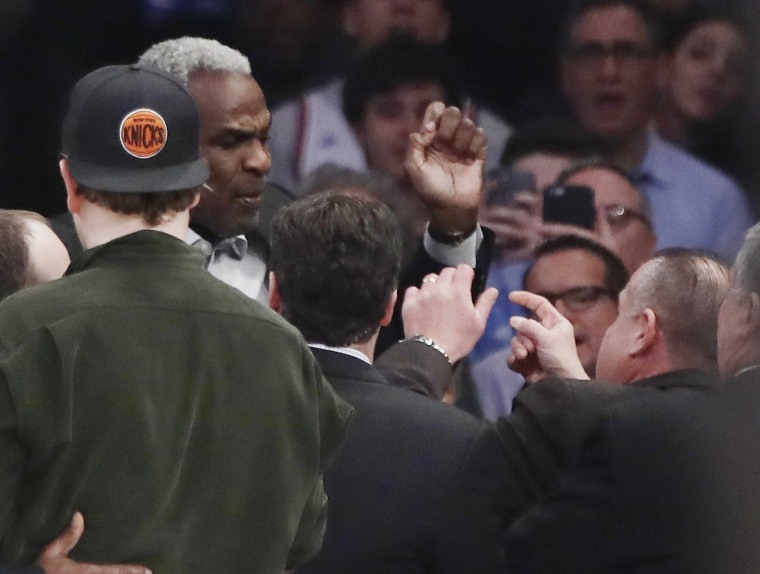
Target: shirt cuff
453, 255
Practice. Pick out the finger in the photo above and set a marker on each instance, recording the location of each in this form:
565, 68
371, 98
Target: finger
485, 303
447, 126
446, 278
478, 145
411, 295
517, 348
462, 277
429, 278
118, 569
463, 136
61, 546
415, 152
538, 305
529, 328
433, 113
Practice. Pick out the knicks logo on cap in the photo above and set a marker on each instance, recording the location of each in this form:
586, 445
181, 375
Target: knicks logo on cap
143, 133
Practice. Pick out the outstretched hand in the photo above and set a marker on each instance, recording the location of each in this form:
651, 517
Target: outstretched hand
442, 309
444, 164
543, 347
54, 557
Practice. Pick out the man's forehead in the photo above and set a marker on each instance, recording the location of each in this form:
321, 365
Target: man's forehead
553, 270
608, 24
608, 185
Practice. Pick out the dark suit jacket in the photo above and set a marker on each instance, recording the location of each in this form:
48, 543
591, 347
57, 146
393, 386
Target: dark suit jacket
430, 380
633, 498
393, 490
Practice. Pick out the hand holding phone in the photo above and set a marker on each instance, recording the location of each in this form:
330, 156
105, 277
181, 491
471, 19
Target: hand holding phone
573, 204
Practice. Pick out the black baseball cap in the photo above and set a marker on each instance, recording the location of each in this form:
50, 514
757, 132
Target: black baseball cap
133, 129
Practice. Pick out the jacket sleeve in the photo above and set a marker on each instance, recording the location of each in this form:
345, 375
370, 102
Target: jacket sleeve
421, 264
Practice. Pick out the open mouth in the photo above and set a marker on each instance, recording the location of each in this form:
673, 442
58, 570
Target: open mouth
609, 103
249, 200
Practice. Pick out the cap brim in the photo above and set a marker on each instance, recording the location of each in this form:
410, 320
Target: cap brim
139, 180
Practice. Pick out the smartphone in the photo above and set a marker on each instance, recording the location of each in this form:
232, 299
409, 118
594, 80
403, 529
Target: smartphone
505, 183
572, 204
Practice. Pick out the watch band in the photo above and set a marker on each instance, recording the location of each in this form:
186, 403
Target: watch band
430, 343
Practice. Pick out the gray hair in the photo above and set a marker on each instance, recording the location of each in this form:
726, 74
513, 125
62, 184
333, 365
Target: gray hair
747, 264
183, 56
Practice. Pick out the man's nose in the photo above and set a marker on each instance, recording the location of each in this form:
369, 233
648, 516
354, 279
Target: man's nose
257, 158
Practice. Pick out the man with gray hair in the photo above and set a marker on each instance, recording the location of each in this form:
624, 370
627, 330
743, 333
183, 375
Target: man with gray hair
234, 131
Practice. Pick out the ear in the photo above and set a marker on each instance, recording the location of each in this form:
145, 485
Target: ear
73, 201
752, 311
385, 321
275, 300
196, 200
646, 333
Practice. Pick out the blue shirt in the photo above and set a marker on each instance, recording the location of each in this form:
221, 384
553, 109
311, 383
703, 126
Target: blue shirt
693, 204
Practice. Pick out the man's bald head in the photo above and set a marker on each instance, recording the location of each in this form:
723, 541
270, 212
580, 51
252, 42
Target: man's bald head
668, 317
685, 290
30, 252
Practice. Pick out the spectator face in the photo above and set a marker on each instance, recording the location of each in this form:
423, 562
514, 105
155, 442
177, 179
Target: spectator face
48, 257
234, 129
621, 224
708, 70
554, 275
610, 71
388, 120
371, 22
545, 167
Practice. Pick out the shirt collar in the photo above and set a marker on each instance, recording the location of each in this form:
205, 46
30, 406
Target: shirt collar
344, 350
654, 170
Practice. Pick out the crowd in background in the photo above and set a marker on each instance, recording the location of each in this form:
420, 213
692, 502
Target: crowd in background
503, 54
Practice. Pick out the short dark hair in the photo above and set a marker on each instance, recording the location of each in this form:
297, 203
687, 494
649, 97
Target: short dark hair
649, 15
397, 61
615, 274
151, 206
552, 137
336, 257
697, 14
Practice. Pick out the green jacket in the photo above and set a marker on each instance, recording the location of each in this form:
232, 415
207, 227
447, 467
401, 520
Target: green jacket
189, 424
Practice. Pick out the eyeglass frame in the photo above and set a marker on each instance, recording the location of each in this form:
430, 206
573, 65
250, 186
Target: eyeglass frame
623, 217
596, 293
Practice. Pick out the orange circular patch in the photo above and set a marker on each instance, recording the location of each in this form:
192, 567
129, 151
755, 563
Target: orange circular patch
143, 133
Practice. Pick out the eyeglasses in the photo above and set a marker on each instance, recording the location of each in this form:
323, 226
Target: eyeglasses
624, 53
579, 298
619, 216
